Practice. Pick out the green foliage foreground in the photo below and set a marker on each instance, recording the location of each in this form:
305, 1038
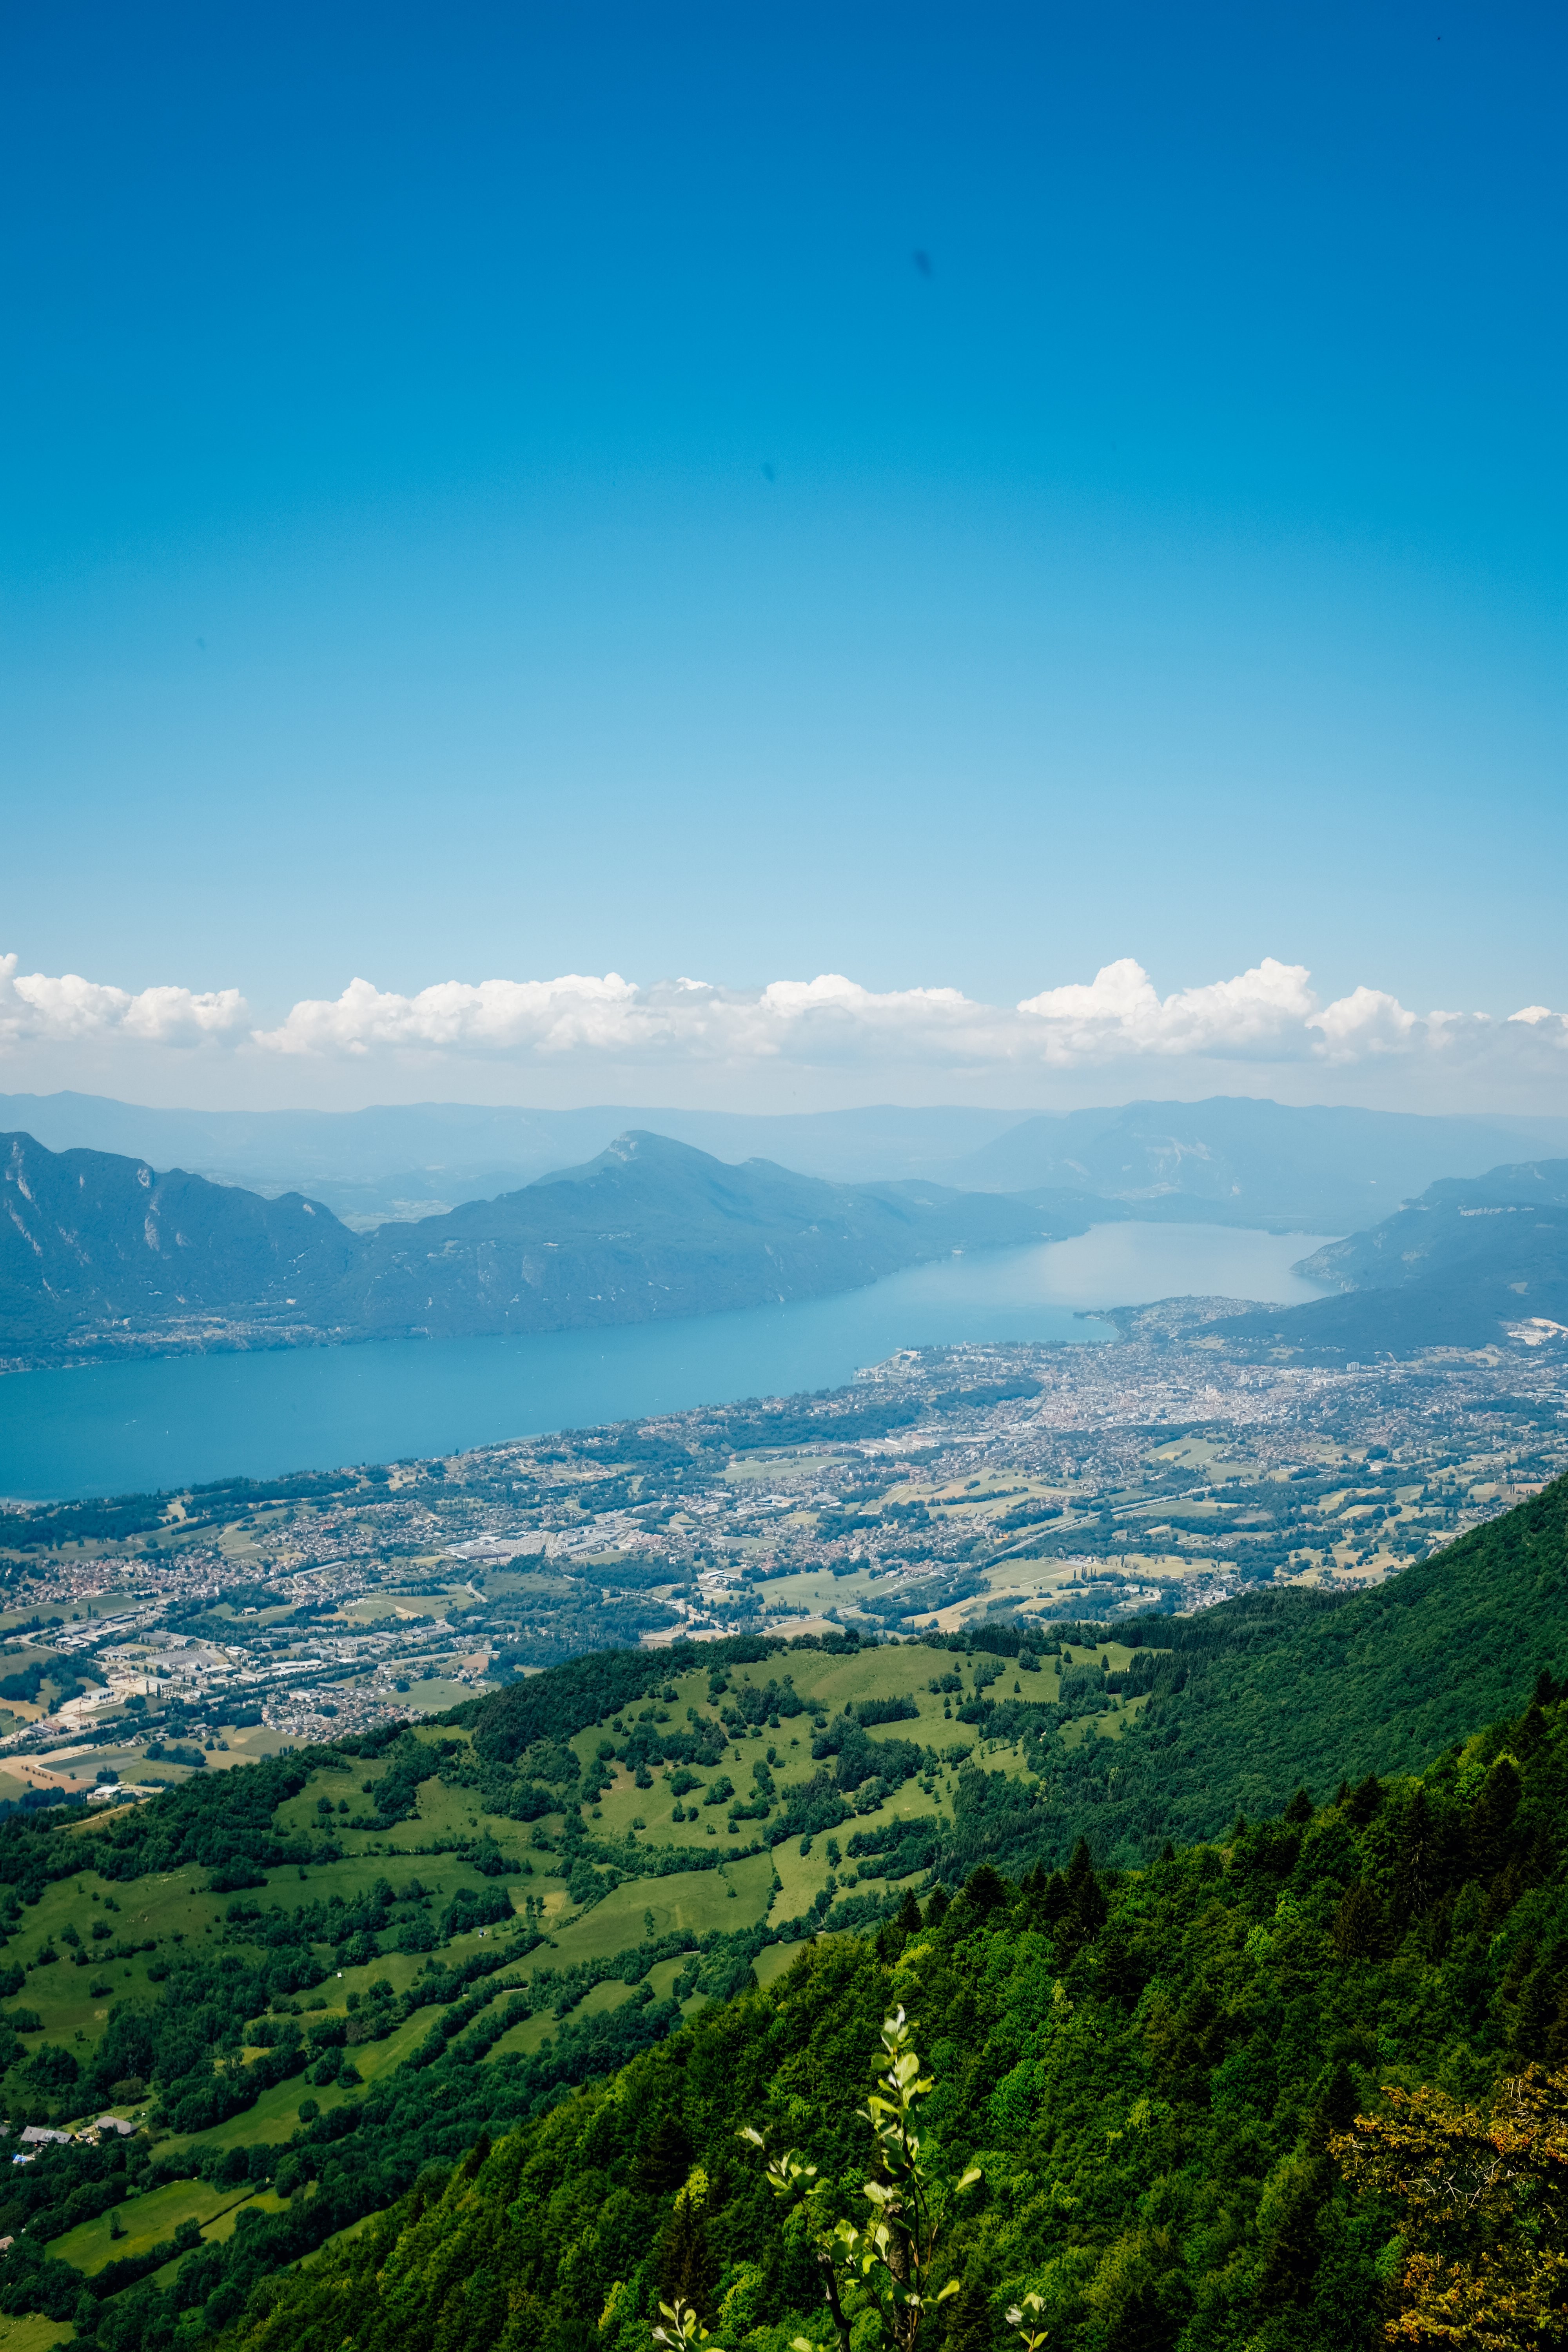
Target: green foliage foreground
1155, 2075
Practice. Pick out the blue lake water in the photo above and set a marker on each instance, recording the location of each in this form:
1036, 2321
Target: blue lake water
121, 1428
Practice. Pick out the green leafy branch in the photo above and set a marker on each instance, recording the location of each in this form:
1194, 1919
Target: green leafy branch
893, 2255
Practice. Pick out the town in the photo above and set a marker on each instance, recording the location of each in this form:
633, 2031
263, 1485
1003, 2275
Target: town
942, 1488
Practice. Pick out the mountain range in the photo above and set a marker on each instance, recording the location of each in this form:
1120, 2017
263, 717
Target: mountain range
1319, 1169
99, 1251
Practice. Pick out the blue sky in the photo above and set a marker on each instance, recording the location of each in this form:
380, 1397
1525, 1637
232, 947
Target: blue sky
955, 497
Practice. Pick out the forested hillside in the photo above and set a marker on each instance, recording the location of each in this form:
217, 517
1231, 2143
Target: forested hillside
1157, 2075
513, 1980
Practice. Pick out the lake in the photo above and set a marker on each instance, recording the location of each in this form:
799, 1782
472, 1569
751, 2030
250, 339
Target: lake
101, 1429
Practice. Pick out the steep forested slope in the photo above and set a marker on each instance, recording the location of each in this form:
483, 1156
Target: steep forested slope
1264, 1693
1153, 2073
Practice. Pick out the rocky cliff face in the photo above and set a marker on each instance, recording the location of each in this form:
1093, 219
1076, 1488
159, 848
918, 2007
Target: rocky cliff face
92, 1242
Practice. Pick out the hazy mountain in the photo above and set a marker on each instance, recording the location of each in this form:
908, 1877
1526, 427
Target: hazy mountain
88, 1239
1454, 1269
407, 1160
1242, 1161
652, 1228
1319, 1167
97, 1249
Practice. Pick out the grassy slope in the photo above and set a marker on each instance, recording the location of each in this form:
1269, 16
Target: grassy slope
1276, 1690
1280, 1690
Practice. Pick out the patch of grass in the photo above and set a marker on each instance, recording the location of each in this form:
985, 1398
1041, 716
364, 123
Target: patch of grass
689, 1902
776, 1961
146, 2222
34, 2333
801, 1877
529, 2038
1113, 1726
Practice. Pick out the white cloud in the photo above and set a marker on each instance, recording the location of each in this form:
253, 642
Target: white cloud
36, 1008
495, 1016
684, 1019
1120, 1011
1266, 1015
1267, 1018
1366, 1021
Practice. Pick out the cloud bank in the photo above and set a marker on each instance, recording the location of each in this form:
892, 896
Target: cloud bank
1268, 1017
36, 1008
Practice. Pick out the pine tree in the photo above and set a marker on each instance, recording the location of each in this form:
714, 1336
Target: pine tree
1365, 1800
970, 2328
685, 2268
985, 1890
1491, 1819
1291, 2242
1334, 2103
1419, 1861
1087, 1909
1357, 1928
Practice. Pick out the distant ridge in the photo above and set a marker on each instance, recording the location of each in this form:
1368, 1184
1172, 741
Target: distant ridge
1233, 1160
91, 1240
1466, 1266
1320, 1167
